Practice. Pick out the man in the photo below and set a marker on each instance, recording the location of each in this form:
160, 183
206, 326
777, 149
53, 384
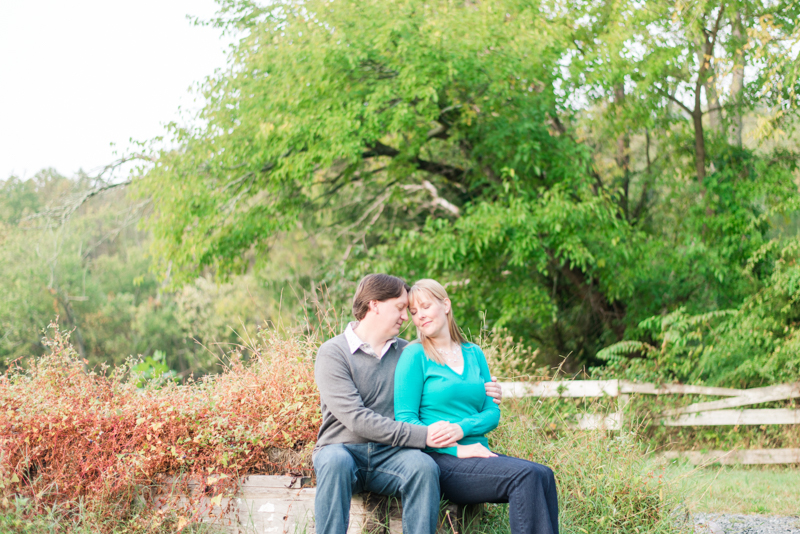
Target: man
360, 447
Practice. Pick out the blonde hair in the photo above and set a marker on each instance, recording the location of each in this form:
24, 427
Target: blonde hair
435, 290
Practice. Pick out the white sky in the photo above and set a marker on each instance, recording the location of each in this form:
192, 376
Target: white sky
78, 75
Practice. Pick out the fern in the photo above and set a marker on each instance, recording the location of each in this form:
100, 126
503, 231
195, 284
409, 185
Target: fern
624, 348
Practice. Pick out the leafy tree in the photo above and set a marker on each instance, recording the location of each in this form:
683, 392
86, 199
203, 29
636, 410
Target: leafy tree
551, 162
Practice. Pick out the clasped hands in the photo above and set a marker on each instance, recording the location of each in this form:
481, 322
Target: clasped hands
445, 434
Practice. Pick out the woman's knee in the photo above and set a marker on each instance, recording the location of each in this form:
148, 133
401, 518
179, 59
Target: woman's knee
538, 473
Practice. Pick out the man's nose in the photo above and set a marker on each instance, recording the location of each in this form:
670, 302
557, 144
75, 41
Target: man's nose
404, 315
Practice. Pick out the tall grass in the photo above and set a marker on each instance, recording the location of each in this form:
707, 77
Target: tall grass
606, 482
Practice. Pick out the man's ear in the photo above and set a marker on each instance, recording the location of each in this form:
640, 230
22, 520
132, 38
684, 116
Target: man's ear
373, 306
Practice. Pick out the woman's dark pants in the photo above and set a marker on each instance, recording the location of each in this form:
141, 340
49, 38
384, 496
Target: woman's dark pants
529, 488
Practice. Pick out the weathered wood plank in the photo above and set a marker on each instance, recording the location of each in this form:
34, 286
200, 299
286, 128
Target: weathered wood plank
561, 388
749, 397
681, 389
746, 457
775, 416
611, 388
590, 421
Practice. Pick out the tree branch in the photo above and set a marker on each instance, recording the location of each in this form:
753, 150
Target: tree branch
449, 172
672, 97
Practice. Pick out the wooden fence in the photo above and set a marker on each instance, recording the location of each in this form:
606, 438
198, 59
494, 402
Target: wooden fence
726, 412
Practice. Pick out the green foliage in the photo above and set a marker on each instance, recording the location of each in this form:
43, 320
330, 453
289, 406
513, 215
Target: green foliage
153, 371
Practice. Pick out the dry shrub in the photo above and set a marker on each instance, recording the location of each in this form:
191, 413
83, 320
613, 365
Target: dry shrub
511, 359
71, 435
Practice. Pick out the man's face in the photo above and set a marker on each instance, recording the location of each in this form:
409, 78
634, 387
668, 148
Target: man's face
391, 314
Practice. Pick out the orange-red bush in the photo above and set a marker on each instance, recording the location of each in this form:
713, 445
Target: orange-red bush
68, 433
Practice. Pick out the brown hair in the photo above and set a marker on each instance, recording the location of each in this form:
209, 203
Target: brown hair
378, 287
435, 290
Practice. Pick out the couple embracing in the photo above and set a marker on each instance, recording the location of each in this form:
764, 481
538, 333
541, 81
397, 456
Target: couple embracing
410, 419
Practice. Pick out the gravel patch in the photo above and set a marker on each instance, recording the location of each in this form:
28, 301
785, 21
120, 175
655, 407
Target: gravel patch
745, 524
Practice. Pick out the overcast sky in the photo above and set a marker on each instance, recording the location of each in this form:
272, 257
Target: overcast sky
78, 75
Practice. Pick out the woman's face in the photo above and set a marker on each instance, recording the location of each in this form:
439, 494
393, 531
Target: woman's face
429, 314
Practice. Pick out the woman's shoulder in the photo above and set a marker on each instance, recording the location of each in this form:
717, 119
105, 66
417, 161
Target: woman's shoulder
472, 347
413, 350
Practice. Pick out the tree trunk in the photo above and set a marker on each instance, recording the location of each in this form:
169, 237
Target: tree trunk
623, 155
737, 84
77, 337
714, 112
699, 140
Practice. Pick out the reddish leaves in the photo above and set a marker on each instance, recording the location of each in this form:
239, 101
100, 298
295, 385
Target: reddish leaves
67, 433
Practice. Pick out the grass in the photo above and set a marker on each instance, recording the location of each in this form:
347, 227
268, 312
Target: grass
765, 490
21, 518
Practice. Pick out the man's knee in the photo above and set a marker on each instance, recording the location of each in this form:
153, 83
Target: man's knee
430, 467
423, 468
334, 460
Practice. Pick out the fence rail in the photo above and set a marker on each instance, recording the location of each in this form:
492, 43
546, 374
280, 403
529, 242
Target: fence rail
724, 412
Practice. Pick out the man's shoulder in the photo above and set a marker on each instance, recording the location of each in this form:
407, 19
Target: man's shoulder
334, 347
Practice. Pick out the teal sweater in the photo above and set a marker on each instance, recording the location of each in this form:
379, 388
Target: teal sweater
426, 392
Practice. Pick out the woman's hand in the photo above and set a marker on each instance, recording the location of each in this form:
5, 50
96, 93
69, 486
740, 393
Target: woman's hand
476, 450
433, 430
447, 434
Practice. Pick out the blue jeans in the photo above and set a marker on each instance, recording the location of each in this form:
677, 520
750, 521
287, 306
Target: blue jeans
345, 469
528, 488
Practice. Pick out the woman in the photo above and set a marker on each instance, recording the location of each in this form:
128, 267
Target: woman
440, 378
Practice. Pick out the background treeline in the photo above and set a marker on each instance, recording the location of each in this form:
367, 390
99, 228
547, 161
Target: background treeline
616, 182
88, 264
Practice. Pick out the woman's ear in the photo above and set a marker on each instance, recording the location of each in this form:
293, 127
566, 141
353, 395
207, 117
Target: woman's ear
447, 306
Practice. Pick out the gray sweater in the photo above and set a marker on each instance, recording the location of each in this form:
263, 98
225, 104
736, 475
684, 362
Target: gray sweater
357, 397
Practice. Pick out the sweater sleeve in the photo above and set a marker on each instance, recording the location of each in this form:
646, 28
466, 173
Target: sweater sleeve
339, 392
488, 417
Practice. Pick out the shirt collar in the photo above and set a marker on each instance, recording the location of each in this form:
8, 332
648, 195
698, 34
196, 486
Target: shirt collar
354, 342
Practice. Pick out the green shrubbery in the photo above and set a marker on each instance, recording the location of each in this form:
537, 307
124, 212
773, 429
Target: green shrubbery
756, 344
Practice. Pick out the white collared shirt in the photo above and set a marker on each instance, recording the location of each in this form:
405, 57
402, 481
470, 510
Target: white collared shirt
355, 343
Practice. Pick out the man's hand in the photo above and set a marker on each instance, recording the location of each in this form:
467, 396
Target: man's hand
494, 390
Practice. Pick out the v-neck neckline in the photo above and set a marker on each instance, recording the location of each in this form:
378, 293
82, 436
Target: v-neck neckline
463, 372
